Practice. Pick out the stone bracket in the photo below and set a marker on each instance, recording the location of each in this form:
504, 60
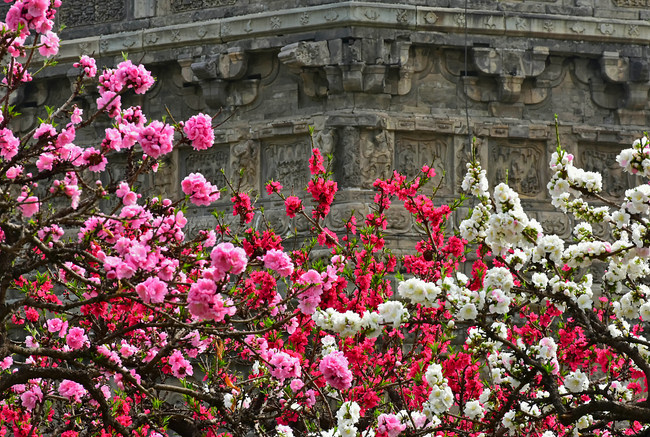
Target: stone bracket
355, 65
222, 78
509, 67
632, 73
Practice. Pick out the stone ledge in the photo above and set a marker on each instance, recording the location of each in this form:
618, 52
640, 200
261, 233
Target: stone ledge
363, 14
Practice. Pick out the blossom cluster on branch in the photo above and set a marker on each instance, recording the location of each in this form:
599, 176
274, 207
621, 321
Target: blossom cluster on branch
115, 320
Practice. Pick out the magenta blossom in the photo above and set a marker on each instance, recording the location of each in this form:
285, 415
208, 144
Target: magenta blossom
334, 368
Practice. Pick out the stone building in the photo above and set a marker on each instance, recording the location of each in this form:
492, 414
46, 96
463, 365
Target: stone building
385, 84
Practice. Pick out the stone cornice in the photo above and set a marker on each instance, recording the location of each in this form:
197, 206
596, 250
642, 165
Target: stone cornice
362, 14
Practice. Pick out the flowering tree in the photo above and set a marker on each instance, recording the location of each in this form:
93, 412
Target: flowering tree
115, 322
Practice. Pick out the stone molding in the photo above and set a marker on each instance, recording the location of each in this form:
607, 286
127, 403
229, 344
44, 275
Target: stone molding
432, 20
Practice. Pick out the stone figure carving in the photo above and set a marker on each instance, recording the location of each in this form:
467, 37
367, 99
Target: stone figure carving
377, 154
325, 141
84, 12
209, 164
244, 160
286, 163
412, 153
519, 165
348, 165
615, 181
188, 5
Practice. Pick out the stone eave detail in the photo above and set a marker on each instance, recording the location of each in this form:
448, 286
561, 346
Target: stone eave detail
416, 19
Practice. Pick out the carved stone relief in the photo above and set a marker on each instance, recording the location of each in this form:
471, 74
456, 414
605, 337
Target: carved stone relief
412, 152
347, 166
603, 160
245, 159
376, 152
207, 162
165, 182
188, 5
341, 213
521, 164
84, 12
286, 162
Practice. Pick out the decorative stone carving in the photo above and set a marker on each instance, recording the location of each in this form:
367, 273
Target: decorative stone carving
520, 164
603, 160
286, 161
209, 163
554, 223
411, 153
165, 180
221, 79
75, 13
245, 159
356, 65
188, 5
632, 3
634, 75
510, 67
347, 166
340, 214
377, 150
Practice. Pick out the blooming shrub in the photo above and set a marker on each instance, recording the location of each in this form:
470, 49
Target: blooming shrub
118, 322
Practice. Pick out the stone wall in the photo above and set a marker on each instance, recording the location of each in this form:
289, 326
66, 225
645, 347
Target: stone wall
384, 85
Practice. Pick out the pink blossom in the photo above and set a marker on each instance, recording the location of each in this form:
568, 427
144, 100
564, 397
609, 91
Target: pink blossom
278, 261
6, 362
95, 160
293, 205
334, 368
110, 102
153, 290
49, 44
14, 172
45, 130
124, 192
296, 385
45, 161
309, 298
28, 205
199, 131
156, 139
71, 390
390, 425
88, 64
205, 303
75, 118
180, 366
8, 144
31, 397
57, 326
227, 258
201, 192
284, 366
132, 76
76, 338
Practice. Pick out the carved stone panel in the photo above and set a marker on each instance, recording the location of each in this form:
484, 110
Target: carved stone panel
188, 5
347, 164
602, 159
286, 161
84, 12
165, 182
245, 166
207, 162
521, 163
376, 155
413, 151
